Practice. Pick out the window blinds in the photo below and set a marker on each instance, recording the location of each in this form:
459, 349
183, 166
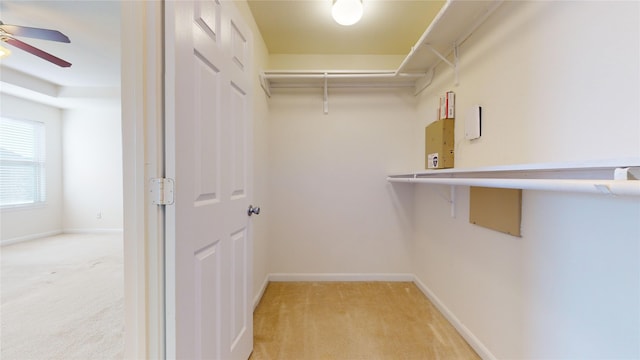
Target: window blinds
22, 162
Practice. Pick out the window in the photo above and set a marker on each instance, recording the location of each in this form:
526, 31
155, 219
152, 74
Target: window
22, 163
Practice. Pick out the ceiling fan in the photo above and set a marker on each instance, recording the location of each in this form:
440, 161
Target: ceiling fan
9, 32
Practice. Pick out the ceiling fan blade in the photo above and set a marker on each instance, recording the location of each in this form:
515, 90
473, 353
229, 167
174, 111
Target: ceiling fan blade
37, 52
36, 33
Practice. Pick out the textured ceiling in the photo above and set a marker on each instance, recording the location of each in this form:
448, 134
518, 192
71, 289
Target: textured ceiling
388, 27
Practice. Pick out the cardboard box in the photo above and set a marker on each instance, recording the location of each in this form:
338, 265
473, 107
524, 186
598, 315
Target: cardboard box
439, 144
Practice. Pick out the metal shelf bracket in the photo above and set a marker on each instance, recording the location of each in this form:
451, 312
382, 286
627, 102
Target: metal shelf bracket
451, 199
453, 64
265, 84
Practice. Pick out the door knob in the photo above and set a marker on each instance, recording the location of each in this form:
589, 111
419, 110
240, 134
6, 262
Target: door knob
253, 210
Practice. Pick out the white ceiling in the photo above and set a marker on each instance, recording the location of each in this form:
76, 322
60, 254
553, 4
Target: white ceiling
94, 30
387, 27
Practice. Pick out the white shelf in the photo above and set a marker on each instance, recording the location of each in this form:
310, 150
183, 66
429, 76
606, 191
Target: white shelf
451, 27
455, 22
335, 79
600, 177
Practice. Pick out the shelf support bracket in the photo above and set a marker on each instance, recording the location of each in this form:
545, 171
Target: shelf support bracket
451, 199
326, 94
456, 80
265, 84
424, 82
453, 64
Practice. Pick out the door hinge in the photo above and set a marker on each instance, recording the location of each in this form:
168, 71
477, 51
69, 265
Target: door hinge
162, 191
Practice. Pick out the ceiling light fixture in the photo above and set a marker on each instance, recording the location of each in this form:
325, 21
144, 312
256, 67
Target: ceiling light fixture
347, 12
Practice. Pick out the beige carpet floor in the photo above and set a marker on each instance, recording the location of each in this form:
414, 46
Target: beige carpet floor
62, 298
353, 320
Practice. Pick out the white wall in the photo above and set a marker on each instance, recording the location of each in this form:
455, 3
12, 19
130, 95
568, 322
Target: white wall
558, 81
332, 210
92, 169
334, 62
546, 74
17, 223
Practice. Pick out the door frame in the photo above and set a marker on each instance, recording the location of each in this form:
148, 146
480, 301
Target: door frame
143, 158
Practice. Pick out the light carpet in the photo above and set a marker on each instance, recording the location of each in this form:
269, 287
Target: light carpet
353, 321
62, 297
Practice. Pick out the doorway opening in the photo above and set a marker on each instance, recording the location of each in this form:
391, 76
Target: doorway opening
62, 257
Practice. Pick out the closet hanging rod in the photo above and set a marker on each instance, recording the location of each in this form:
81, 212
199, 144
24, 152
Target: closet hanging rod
607, 187
335, 79
285, 75
602, 176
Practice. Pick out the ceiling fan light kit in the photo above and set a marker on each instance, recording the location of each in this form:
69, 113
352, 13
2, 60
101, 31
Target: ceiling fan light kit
9, 32
347, 12
4, 52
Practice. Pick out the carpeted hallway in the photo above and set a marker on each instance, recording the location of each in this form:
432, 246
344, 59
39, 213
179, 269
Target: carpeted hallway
352, 320
62, 298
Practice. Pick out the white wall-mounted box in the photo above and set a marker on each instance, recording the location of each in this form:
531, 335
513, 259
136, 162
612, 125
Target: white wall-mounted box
473, 123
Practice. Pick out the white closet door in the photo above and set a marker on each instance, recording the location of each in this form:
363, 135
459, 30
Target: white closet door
209, 248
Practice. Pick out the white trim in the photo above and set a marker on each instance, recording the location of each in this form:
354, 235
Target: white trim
340, 277
473, 341
260, 294
20, 239
169, 81
133, 106
142, 102
92, 231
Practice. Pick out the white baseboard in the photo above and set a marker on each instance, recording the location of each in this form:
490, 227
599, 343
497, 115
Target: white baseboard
473, 341
92, 231
340, 277
29, 237
284, 277
256, 300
